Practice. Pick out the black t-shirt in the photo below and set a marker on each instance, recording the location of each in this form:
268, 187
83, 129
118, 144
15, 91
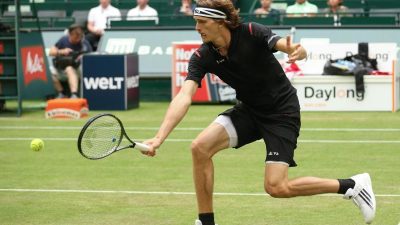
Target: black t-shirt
250, 68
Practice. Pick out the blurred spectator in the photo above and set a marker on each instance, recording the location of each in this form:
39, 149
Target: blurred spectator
302, 8
266, 11
335, 7
98, 20
67, 54
142, 12
186, 8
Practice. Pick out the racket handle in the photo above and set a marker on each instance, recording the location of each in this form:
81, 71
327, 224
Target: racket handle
142, 147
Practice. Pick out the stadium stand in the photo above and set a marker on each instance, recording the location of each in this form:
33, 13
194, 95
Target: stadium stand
65, 12
387, 20
308, 21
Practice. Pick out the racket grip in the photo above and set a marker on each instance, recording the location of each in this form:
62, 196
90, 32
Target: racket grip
142, 147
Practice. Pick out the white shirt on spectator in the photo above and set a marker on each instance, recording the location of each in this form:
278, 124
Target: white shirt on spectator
148, 13
99, 16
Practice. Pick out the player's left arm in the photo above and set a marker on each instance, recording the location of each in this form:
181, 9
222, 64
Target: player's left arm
295, 51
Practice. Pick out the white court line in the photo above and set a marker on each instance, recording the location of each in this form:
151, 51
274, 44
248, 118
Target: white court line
189, 140
196, 128
158, 192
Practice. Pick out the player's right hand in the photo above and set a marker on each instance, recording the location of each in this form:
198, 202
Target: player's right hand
154, 144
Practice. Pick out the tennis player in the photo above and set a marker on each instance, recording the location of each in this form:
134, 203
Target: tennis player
241, 54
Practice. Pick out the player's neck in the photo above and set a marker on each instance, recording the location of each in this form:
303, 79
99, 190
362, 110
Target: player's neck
223, 42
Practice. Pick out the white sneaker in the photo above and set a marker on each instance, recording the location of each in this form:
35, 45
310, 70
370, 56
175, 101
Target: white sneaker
363, 196
198, 222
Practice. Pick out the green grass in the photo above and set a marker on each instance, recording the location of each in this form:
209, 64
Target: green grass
60, 167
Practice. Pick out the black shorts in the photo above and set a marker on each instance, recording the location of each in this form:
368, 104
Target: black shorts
279, 131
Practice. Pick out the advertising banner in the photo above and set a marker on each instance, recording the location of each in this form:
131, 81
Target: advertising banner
318, 53
155, 46
108, 87
36, 79
335, 93
212, 88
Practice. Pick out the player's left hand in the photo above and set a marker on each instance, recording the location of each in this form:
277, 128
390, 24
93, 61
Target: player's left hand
295, 51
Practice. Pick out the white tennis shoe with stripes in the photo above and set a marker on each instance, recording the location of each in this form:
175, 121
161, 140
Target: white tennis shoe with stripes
363, 196
198, 222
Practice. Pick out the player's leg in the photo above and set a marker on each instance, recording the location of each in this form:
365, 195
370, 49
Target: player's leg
211, 140
358, 188
280, 134
72, 80
278, 185
233, 128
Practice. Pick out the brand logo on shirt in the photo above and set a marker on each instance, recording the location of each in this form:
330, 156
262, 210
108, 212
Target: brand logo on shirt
220, 61
33, 64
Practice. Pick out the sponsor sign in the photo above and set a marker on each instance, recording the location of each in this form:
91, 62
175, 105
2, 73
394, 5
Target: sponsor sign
334, 93
110, 82
1, 47
212, 88
35, 80
33, 64
319, 53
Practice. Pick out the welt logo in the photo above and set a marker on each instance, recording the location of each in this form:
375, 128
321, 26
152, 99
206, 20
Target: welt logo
33, 64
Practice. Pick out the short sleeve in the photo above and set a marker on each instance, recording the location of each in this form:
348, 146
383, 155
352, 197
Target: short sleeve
131, 13
196, 71
118, 13
314, 9
91, 16
60, 44
290, 9
264, 35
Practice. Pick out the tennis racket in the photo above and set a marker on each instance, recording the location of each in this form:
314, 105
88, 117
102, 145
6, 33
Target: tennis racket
102, 135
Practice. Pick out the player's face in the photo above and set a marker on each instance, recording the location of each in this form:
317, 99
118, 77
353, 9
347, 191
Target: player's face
207, 28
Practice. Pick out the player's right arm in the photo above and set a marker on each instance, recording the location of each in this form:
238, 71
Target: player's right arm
175, 113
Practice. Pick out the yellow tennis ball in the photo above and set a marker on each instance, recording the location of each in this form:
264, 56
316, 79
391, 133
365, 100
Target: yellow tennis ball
37, 144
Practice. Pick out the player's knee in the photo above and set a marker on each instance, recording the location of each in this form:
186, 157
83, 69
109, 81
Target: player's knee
199, 149
277, 190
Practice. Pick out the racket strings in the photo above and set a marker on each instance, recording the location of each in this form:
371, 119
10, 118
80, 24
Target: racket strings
101, 137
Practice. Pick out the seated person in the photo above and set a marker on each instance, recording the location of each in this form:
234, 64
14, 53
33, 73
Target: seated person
186, 8
335, 7
142, 12
301, 8
266, 11
98, 21
67, 54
